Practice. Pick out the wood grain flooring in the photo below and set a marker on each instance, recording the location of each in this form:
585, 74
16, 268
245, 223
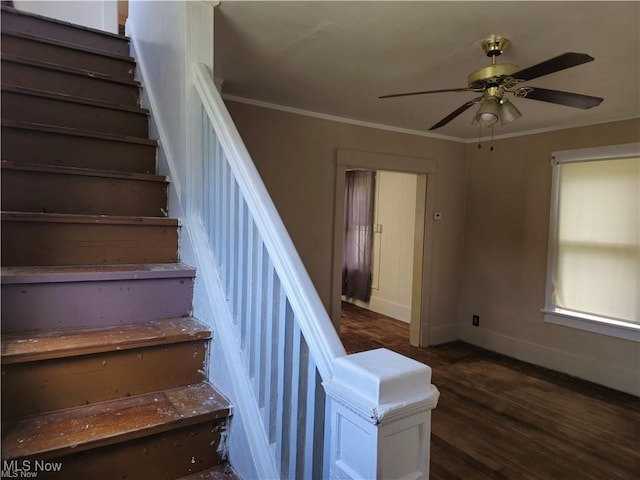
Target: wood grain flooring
500, 418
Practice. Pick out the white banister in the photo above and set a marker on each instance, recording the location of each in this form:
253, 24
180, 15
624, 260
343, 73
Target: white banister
319, 413
322, 337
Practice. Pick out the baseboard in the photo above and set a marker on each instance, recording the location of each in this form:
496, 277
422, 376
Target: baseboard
440, 334
603, 373
385, 307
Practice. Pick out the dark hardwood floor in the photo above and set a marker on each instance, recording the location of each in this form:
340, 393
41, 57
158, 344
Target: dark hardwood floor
499, 418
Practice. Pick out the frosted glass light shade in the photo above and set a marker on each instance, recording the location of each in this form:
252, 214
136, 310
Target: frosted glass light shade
488, 113
508, 112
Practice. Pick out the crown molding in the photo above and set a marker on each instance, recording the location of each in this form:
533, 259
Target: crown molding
409, 131
336, 118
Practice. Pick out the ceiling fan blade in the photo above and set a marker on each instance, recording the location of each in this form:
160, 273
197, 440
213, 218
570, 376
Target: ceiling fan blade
555, 64
569, 99
425, 92
455, 113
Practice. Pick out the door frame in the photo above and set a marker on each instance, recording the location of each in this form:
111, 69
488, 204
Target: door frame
425, 169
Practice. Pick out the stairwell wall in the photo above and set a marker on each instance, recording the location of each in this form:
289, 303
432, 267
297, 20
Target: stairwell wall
167, 37
102, 14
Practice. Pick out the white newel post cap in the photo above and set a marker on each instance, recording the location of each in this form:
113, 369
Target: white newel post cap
384, 381
382, 376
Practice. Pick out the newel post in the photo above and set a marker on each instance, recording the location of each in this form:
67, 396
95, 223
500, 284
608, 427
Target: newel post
380, 405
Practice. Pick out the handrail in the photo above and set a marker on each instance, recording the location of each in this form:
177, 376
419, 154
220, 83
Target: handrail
316, 326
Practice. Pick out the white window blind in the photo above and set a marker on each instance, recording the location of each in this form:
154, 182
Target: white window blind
594, 267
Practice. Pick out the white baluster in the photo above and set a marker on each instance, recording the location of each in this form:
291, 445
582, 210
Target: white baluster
314, 429
241, 276
298, 371
284, 373
262, 320
271, 354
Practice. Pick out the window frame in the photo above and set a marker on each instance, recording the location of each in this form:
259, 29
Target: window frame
569, 318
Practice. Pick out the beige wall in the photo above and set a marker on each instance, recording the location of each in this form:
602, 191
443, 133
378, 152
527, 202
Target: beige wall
296, 156
489, 251
505, 258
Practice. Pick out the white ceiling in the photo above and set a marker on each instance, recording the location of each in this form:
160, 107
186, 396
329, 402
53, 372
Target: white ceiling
336, 58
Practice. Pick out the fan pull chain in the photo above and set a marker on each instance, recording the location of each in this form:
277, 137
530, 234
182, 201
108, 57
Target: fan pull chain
491, 138
479, 136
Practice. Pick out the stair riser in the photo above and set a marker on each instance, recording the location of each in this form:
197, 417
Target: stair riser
37, 387
77, 85
68, 57
27, 191
43, 306
27, 243
64, 33
167, 455
28, 146
48, 111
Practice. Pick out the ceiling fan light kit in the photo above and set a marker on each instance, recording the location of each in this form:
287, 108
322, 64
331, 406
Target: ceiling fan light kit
508, 111
488, 113
496, 80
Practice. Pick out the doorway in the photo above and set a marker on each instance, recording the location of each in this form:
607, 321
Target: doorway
421, 258
390, 266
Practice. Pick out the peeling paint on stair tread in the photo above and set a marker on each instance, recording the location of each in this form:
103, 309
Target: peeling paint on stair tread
86, 219
78, 171
59, 97
72, 70
32, 346
105, 423
75, 273
219, 472
57, 129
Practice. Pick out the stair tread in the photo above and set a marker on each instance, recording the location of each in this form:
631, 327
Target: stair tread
66, 69
79, 273
87, 219
222, 471
23, 13
65, 170
45, 345
72, 99
96, 425
60, 43
76, 132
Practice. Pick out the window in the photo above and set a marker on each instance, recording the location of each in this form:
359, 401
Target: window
593, 272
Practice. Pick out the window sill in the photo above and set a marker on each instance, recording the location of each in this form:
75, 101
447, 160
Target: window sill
592, 323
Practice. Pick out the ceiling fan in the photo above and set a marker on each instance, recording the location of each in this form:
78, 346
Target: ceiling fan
498, 79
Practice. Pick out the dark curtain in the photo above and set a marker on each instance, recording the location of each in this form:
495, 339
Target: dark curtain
358, 234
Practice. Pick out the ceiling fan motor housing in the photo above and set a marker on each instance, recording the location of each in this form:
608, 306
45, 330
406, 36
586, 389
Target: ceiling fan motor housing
490, 75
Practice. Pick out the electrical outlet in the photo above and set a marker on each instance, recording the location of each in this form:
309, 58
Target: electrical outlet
476, 321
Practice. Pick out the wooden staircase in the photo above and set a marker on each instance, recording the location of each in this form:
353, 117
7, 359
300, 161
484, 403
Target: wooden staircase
103, 368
